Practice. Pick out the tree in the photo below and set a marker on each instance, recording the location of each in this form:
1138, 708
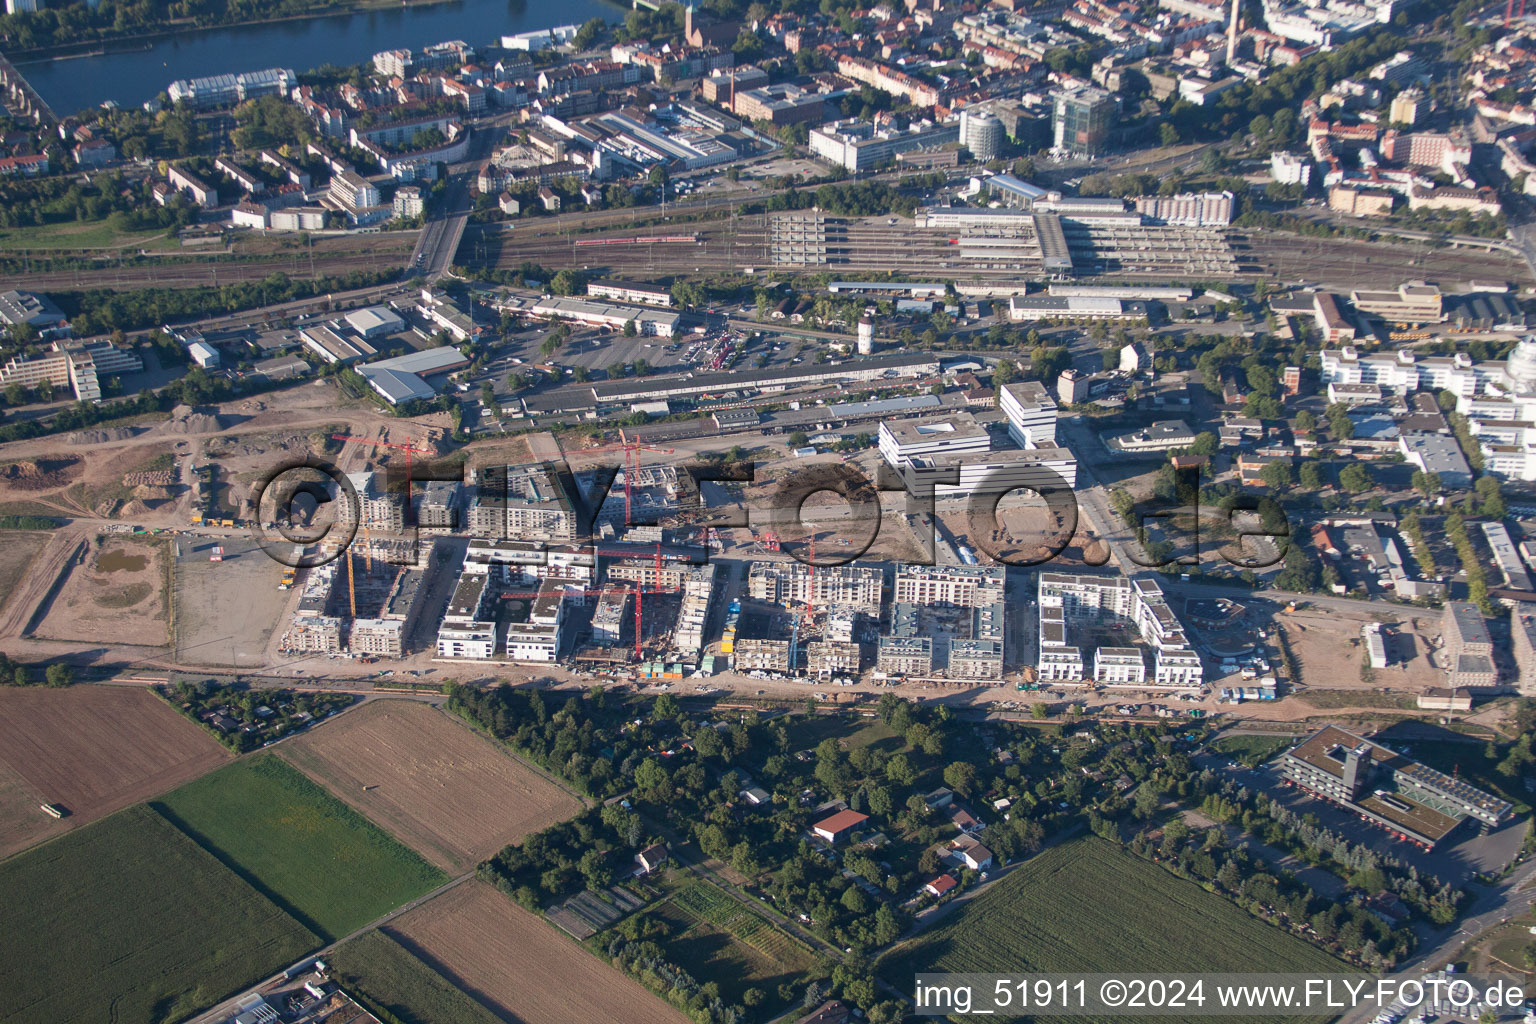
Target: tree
1146, 802
1305, 420
1039, 710
1355, 478
899, 770
59, 675
589, 33
1168, 135
960, 776
798, 439
929, 863
1427, 484
1311, 475
1276, 475
887, 927
629, 329
1491, 500
1006, 372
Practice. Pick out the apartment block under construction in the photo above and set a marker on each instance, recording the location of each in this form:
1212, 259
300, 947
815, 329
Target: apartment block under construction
786, 583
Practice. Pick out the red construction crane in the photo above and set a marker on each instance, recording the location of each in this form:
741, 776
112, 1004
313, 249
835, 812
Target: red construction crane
1509, 9
631, 450
377, 443
637, 587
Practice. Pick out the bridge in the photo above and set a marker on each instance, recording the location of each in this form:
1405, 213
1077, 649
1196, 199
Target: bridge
21, 97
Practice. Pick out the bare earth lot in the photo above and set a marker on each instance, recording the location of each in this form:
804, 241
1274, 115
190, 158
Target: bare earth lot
94, 749
117, 595
438, 786
1328, 649
18, 548
226, 612
520, 966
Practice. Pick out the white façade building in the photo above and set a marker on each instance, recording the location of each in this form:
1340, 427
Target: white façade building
1068, 600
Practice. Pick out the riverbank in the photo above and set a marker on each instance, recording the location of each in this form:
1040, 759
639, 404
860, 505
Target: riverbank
140, 41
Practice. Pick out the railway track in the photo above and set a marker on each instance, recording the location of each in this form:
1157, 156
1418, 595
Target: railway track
192, 275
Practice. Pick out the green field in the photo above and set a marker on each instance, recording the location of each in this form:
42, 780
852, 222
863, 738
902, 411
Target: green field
127, 920
1252, 750
1090, 906
96, 234
385, 976
310, 853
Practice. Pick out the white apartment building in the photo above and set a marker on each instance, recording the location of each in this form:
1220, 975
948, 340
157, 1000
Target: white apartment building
467, 640
1290, 168
1119, 665
1031, 413
537, 638
1065, 599
959, 586
1060, 665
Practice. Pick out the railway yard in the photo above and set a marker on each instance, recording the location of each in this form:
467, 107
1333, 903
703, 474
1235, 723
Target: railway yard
731, 244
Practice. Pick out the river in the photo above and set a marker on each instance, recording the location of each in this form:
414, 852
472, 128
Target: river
132, 77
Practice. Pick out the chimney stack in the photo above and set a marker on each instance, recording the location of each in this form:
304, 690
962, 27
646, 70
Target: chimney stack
1232, 35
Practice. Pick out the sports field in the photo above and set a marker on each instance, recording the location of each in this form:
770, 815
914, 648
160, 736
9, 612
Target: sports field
383, 974
431, 781
1090, 906
314, 856
127, 920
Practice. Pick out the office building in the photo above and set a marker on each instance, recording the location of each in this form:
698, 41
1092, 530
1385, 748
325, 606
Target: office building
982, 134
1383, 786
1081, 120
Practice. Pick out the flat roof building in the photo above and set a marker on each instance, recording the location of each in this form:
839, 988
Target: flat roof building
1381, 785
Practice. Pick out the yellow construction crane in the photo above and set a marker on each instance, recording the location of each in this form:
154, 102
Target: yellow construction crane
351, 585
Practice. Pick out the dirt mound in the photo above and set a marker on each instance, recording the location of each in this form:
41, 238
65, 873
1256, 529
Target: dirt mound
40, 474
185, 419
85, 437
148, 492
133, 508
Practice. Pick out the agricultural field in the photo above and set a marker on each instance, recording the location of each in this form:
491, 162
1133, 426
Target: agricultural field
1091, 906
161, 931
519, 965
93, 749
431, 781
721, 940
314, 856
117, 594
382, 974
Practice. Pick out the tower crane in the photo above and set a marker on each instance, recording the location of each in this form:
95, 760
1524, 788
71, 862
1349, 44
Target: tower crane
631, 450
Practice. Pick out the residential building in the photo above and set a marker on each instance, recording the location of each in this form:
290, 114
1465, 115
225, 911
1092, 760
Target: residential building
384, 638
786, 583
1468, 647
839, 826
